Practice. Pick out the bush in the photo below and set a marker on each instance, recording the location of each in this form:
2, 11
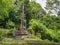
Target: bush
10, 24
1, 35
30, 30
10, 33
34, 25
38, 27
54, 34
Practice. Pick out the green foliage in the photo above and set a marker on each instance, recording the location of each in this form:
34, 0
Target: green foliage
11, 32
34, 25
37, 21
51, 22
35, 10
38, 27
1, 34
54, 34
35, 7
30, 30
4, 5
10, 24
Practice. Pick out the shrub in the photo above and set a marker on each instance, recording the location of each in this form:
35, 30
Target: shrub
10, 33
38, 27
1, 35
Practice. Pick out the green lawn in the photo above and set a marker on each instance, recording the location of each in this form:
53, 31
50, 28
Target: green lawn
30, 41
10, 41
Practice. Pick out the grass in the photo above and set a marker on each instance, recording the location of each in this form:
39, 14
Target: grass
11, 41
35, 40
